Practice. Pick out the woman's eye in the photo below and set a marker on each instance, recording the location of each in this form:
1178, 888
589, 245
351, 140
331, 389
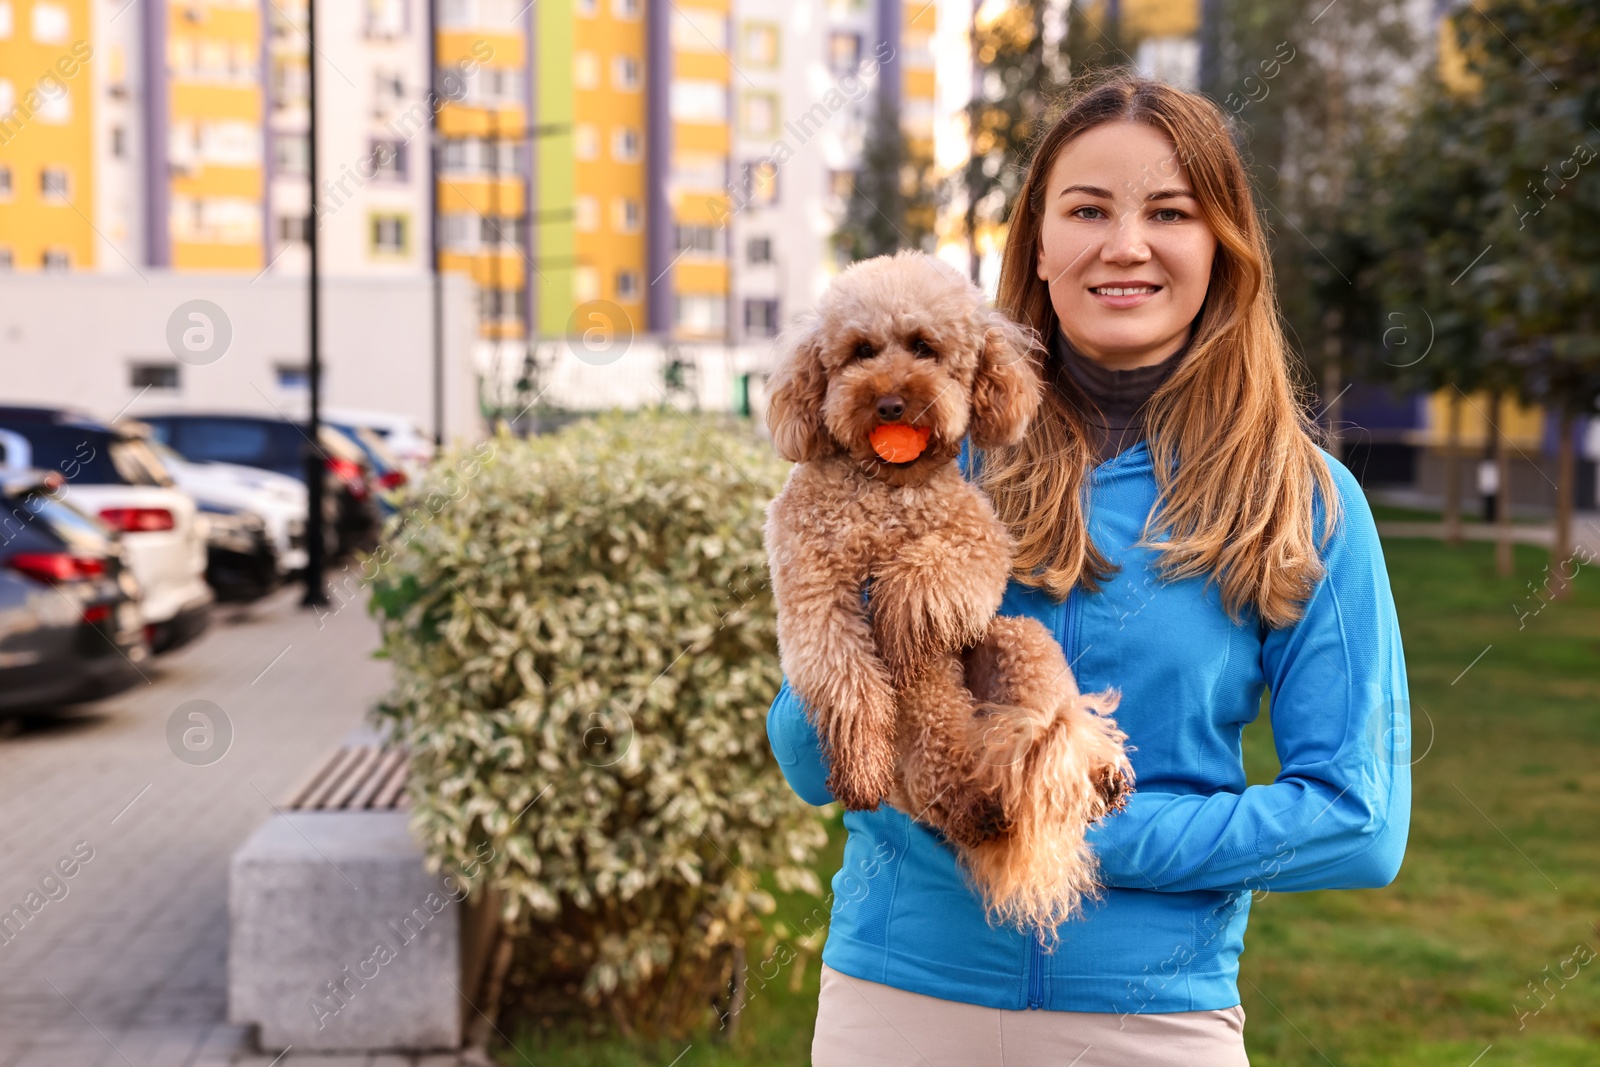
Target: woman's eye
1174, 213
923, 350
864, 350
1079, 212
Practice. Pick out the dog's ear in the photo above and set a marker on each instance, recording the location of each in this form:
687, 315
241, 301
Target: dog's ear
798, 386
1005, 393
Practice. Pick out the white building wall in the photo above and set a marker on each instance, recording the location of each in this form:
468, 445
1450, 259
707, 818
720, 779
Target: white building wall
368, 51
73, 340
112, 87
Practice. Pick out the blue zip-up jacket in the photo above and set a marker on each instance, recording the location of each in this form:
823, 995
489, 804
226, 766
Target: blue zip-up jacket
1183, 860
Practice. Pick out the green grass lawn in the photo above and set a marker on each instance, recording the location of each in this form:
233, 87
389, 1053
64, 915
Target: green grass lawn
1501, 879
1471, 512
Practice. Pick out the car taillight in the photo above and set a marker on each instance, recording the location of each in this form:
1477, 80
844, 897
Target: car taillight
349, 472
137, 520
96, 614
56, 566
392, 479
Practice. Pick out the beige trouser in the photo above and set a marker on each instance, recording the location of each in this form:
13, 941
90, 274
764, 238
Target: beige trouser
861, 1023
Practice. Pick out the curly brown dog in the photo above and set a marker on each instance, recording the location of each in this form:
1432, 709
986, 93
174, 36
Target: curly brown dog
970, 724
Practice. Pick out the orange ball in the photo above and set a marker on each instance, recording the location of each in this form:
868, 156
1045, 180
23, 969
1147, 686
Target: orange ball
899, 442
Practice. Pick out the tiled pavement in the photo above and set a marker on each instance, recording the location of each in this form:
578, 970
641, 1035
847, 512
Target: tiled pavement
128, 967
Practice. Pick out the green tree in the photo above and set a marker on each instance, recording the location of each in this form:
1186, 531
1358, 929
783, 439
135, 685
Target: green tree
893, 196
1539, 104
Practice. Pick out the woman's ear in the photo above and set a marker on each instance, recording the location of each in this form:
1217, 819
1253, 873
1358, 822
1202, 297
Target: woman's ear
798, 387
1005, 393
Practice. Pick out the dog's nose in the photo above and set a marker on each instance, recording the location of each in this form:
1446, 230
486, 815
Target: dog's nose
890, 407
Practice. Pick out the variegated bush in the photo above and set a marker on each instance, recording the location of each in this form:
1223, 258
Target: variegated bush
584, 649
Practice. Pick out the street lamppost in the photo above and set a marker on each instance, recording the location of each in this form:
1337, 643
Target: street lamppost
315, 593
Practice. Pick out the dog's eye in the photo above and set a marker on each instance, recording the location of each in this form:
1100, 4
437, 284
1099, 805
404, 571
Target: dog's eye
864, 350
923, 350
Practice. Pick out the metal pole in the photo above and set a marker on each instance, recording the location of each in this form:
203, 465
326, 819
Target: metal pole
315, 594
435, 159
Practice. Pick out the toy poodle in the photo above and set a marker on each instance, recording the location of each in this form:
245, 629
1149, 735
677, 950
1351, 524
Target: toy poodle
971, 724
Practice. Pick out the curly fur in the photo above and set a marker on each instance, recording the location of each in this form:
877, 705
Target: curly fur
970, 723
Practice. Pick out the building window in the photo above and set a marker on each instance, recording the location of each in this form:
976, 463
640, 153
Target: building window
290, 153
700, 240
586, 213
50, 23
119, 142
389, 235
586, 70
761, 317
759, 250
55, 106
292, 377
627, 215
699, 101
758, 43
389, 160
698, 29
700, 313
153, 376
6, 260
625, 145
588, 8
844, 52
5, 182
292, 229
5, 21
625, 9
758, 114
625, 73
56, 259
386, 18
627, 285
585, 284
586, 141
759, 183
53, 183
497, 305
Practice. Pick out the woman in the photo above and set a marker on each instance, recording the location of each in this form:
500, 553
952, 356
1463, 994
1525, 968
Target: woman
1136, 251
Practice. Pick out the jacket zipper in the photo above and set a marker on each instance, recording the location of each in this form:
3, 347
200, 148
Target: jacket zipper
1036, 955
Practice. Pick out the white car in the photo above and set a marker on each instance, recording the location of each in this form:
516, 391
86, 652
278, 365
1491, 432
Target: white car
118, 479
280, 501
399, 433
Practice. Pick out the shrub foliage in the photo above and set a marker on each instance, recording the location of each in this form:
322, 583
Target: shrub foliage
584, 647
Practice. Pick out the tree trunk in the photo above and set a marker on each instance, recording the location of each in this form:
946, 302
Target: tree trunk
1566, 475
1452, 471
1504, 564
1331, 379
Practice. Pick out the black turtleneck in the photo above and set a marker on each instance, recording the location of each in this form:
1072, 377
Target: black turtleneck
1119, 395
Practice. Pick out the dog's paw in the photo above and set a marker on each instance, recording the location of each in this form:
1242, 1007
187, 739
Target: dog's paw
975, 820
1114, 784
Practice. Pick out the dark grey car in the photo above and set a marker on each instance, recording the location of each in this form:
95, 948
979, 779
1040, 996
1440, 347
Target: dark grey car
70, 626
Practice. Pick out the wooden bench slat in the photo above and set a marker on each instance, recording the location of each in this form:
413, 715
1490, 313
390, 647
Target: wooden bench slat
318, 776
391, 795
317, 798
376, 778
354, 776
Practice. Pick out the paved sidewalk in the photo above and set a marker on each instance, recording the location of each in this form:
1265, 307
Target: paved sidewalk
124, 964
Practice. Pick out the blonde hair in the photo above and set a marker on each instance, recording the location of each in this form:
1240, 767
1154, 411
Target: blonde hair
1235, 453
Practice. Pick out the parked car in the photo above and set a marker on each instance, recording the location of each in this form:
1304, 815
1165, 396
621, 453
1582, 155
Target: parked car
229, 488
388, 472
414, 448
70, 625
241, 560
351, 517
118, 479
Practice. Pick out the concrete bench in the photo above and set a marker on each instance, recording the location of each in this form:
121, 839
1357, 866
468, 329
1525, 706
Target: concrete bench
339, 940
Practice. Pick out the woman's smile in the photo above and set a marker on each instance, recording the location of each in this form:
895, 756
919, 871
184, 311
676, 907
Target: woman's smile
1123, 246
